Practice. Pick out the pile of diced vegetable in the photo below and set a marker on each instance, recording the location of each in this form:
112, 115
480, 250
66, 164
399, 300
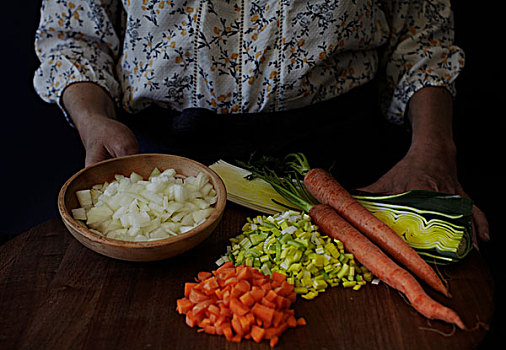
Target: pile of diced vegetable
240, 302
131, 208
289, 243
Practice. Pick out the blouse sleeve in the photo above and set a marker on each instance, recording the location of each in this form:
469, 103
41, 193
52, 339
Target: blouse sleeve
77, 41
420, 52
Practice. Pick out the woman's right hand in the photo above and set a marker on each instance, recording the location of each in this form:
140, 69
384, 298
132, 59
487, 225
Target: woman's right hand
92, 111
105, 138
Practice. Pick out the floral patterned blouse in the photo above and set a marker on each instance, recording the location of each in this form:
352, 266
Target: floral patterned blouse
245, 56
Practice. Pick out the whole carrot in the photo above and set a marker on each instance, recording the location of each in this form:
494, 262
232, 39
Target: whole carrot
372, 257
326, 189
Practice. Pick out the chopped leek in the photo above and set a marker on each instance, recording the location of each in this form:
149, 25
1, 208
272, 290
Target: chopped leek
308, 259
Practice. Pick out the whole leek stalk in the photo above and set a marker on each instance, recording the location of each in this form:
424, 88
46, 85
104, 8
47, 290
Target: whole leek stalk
437, 225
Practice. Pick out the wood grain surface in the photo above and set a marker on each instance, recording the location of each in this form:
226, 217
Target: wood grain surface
55, 293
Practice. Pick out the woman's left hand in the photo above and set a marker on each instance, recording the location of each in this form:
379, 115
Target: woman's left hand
433, 171
430, 163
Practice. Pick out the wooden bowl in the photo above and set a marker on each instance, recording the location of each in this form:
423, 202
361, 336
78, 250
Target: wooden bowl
142, 164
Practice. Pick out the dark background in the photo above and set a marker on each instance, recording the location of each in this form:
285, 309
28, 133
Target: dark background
40, 150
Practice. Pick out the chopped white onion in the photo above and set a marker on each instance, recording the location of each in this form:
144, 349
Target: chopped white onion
134, 209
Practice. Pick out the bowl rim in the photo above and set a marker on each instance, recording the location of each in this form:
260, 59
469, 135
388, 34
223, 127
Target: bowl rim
83, 231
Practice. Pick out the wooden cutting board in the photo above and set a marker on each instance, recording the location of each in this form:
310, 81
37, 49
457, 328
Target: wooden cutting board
55, 293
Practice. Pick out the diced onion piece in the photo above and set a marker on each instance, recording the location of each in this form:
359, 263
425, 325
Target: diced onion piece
79, 214
84, 198
98, 214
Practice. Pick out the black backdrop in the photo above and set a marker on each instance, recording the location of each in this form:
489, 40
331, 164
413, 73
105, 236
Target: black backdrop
40, 151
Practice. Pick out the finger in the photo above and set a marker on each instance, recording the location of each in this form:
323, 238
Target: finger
95, 154
475, 239
121, 150
481, 224
375, 187
94, 158
481, 227
127, 146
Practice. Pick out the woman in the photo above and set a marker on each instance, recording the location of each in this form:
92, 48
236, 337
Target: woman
211, 79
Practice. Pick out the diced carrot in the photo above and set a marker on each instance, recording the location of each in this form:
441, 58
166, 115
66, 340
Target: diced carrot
245, 323
278, 276
236, 338
221, 320
202, 306
271, 296
219, 293
292, 322
236, 326
268, 303
266, 324
226, 298
301, 321
271, 332
274, 340
289, 312
188, 287
257, 333
282, 302
184, 305
257, 274
277, 319
226, 265
282, 327
250, 317
257, 293
263, 312
226, 292
285, 289
227, 331
210, 329
266, 286
237, 307
190, 320
235, 292
204, 323
209, 285
203, 275
225, 311
247, 299
196, 297
213, 309
243, 285
292, 297
244, 274
224, 275
231, 281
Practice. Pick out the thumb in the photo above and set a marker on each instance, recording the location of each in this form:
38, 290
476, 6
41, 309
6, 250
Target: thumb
123, 143
375, 187
95, 154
